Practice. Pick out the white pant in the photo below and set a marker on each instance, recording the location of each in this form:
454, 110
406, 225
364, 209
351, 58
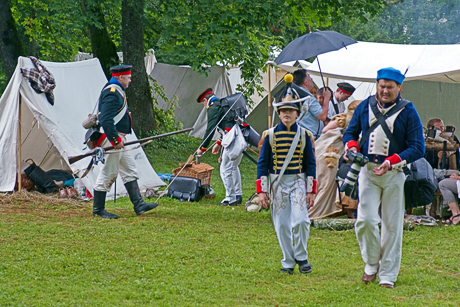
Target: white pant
122, 162
381, 253
231, 177
290, 218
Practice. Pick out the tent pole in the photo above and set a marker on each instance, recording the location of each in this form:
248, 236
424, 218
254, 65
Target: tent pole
269, 96
19, 146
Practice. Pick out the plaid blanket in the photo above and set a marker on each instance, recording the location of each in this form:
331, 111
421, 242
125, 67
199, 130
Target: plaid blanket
41, 80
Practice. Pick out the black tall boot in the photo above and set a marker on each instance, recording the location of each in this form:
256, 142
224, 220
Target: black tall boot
99, 206
43, 182
140, 206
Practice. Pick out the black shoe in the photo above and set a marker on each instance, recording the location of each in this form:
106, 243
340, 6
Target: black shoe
239, 199
289, 271
140, 206
226, 203
223, 203
144, 207
105, 215
304, 266
99, 206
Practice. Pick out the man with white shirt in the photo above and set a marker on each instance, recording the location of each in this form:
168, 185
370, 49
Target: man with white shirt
317, 113
337, 103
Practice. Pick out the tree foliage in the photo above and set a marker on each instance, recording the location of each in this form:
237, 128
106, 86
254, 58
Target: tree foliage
409, 22
202, 33
199, 33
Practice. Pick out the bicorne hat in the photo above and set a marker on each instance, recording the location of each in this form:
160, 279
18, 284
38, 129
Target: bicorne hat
289, 98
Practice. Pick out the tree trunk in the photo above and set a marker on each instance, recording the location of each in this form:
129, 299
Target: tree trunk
101, 44
10, 44
139, 98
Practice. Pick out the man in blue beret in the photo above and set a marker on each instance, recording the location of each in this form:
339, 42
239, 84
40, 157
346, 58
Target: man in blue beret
392, 136
116, 123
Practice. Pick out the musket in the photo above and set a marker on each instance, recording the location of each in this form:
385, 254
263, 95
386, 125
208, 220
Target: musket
74, 159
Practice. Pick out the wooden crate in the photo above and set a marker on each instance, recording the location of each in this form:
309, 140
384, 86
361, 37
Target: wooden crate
201, 171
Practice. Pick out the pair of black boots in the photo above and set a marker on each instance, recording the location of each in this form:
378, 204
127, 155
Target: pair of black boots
43, 182
140, 207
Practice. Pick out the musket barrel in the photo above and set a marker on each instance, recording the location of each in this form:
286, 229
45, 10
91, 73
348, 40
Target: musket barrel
74, 159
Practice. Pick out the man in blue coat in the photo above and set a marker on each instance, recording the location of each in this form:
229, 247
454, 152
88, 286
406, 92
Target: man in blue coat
116, 122
381, 181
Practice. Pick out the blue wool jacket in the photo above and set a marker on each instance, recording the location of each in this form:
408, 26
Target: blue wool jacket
408, 131
110, 102
265, 165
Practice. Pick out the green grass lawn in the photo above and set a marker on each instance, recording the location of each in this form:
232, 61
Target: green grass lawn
200, 254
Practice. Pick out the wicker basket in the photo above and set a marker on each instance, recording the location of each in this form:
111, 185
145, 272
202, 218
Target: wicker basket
201, 171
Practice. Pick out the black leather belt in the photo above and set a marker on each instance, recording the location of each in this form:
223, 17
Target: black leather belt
377, 158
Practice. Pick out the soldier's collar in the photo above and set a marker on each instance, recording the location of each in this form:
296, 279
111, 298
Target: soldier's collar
115, 81
211, 101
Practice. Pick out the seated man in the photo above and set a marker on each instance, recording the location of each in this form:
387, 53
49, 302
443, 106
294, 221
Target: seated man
433, 157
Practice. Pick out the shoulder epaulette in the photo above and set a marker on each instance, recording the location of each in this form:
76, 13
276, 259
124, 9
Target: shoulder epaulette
112, 89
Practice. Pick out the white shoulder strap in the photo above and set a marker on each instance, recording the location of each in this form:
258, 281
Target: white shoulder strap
122, 111
289, 155
271, 136
303, 138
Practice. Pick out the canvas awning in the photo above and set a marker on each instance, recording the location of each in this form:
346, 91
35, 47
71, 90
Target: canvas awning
362, 60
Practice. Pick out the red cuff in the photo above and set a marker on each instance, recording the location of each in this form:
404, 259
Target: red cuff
258, 186
313, 189
203, 149
351, 144
394, 159
219, 142
227, 129
116, 142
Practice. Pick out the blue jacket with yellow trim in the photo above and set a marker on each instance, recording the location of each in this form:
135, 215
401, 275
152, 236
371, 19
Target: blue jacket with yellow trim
110, 102
271, 162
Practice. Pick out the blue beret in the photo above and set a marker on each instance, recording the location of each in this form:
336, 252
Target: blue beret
390, 73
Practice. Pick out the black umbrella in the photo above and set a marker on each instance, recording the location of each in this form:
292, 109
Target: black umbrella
313, 44
307, 46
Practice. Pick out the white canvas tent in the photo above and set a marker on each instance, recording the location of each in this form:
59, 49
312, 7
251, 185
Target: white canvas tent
50, 134
361, 61
432, 78
187, 84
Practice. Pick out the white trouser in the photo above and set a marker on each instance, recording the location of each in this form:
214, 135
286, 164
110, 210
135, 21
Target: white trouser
231, 177
122, 162
290, 218
381, 253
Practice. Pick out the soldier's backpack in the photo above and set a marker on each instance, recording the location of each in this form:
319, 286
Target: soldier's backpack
235, 105
420, 184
